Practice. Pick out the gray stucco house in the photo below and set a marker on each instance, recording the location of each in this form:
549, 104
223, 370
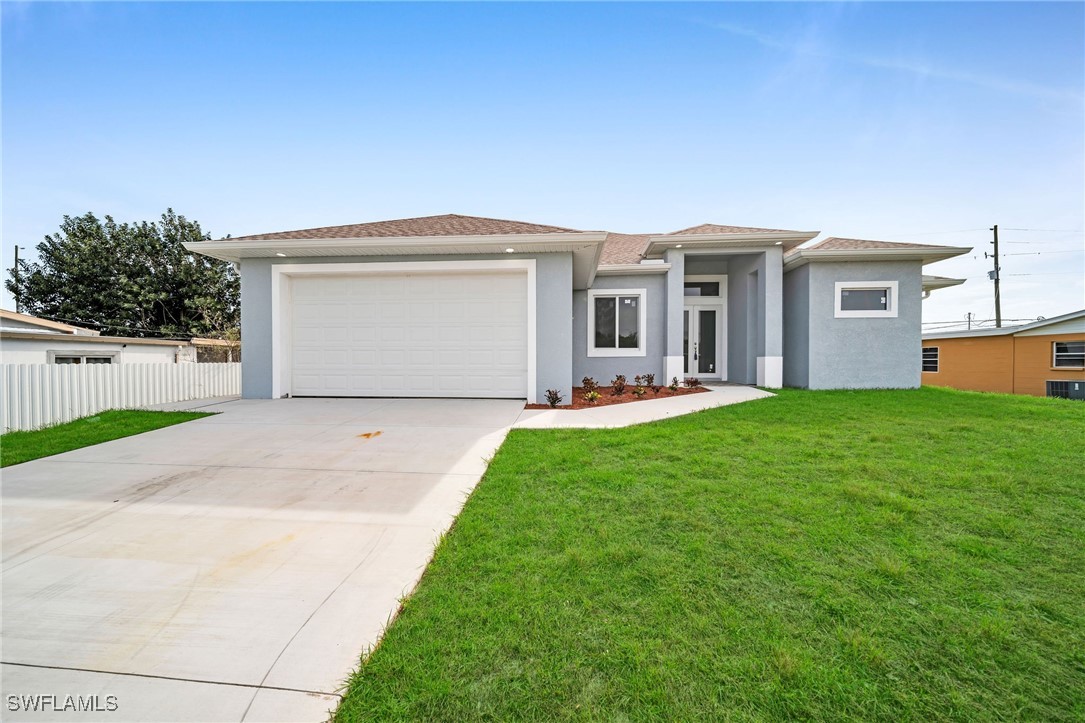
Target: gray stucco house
461, 306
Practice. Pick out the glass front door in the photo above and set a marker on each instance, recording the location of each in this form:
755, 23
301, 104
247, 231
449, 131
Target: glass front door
702, 336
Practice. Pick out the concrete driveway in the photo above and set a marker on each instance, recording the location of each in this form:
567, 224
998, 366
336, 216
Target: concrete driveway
235, 567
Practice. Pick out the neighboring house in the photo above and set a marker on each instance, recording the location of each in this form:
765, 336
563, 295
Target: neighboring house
27, 339
461, 306
1045, 358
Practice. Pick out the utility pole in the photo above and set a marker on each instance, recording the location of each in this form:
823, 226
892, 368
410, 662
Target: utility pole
995, 277
16, 275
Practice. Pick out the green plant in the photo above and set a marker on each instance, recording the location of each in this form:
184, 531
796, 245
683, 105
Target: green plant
673, 386
589, 384
618, 385
553, 397
639, 391
591, 397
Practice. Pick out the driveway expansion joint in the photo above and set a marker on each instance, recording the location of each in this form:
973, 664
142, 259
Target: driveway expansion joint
174, 678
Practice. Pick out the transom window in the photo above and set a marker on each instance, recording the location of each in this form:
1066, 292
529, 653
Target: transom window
1069, 354
930, 358
702, 288
616, 322
866, 299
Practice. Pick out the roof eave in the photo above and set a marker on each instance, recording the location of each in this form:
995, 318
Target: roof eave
788, 239
940, 283
632, 269
802, 257
237, 249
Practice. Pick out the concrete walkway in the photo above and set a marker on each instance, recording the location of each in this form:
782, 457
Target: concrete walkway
650, 410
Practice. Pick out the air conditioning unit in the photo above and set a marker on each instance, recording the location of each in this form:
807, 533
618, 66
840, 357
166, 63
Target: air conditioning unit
1066, 389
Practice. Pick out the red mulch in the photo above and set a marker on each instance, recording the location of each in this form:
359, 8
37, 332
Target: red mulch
606, 397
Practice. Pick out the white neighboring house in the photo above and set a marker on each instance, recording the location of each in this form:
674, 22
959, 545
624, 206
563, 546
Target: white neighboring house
27, 339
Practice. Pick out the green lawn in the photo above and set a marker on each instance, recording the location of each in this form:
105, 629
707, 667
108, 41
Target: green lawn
912, 555
18, 447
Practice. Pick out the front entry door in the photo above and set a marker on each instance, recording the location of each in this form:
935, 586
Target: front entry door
704, 341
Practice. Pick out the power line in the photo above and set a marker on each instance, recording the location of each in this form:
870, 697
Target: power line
110, 325
1046, 230
1037, 253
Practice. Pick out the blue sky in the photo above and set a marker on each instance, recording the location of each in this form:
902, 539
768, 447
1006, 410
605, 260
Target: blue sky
886, 121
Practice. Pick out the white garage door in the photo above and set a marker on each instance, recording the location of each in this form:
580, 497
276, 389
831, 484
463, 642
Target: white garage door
410, 335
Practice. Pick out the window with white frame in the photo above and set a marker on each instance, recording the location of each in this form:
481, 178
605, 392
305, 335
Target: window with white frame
616, 322
930, 358
866, 299
1068, 354
73, 358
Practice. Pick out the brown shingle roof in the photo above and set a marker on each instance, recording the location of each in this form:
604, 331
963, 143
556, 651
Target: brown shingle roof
835, 243
623, 248
714, 228
450, 224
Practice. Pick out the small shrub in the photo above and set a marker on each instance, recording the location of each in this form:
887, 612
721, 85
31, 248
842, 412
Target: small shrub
673, 386
655, 389
589, 384
639, 391
619, 385
637, 381
553, 397
691, 382
649, 380
591, 397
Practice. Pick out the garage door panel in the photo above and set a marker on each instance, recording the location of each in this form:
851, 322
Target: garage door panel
402, 335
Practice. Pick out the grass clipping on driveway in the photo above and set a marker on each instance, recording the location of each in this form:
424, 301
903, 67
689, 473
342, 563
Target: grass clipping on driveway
17, 447
874, 555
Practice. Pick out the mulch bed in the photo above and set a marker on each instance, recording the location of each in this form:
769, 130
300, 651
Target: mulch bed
607, 397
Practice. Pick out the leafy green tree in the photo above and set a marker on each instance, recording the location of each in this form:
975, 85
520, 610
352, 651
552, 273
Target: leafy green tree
130, 279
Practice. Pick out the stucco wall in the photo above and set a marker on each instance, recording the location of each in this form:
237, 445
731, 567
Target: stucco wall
603, 369
864, 353
745, 317
797, 327
36, 351
554, 290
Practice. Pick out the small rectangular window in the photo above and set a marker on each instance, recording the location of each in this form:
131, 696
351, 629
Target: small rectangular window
1069, 354
81, 359
930, 358
702, 288
864, 300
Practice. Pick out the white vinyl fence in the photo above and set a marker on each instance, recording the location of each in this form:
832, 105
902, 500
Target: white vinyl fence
37, 395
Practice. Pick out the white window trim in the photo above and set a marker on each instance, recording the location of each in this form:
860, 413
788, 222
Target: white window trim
937, 359
891, 302
1055, 356
51, 355
642, 323
282, 306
